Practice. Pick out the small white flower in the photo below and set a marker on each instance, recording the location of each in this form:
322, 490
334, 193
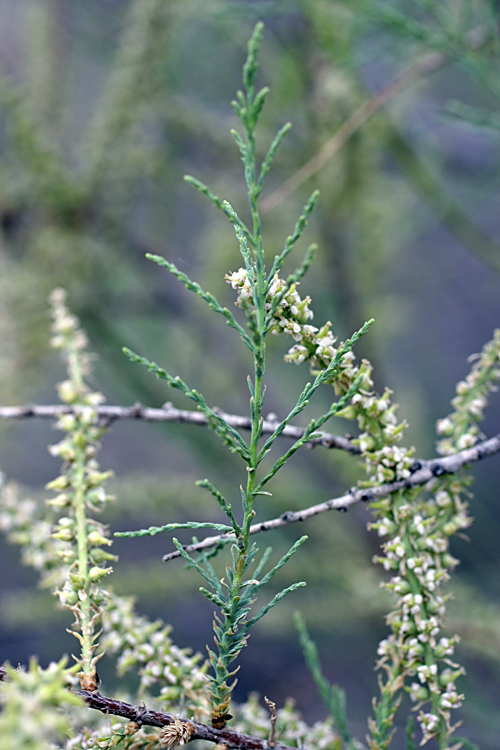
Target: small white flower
476, 406
385, 527
466, 441
445, 427
428, 722
443, 499
384, 647
450, 699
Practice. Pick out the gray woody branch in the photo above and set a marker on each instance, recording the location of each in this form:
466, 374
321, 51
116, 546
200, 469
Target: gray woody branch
169, 413
421, 473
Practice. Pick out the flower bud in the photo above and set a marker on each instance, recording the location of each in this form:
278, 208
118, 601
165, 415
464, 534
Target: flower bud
98, 477
64, 535
99, 555
77, 581
67, 391
448, 561
68, 556
61, 483
68, 598
350, 412
419, 693
60, 501
96, 574
98, 598
449, 676
96, 538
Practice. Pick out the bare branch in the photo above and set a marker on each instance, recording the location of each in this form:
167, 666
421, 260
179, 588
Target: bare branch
169, 413
145, 717
423, 472
427, 64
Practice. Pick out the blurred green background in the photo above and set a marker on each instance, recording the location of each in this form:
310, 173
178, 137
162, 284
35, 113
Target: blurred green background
104, 106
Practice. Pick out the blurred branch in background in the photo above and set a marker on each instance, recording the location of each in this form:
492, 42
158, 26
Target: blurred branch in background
425, 66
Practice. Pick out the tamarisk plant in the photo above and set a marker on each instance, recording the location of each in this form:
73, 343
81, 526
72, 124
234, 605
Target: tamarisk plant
168, 674
236, 592
75, 560
50, 545
80, 487
417, 522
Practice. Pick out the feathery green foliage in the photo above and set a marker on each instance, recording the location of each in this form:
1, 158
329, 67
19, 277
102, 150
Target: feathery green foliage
235, 595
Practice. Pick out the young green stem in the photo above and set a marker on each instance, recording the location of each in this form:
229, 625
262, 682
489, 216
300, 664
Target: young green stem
81, 531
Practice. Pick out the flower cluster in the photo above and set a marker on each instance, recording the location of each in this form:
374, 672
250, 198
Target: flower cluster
141, 642
79, 491
460, 429
137, 640
30, 716
19, 520
290, 316
417, 529
375, 414
415, 525
57, 552
114, 733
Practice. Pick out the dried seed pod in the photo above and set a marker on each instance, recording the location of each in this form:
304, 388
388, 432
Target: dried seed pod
177, 733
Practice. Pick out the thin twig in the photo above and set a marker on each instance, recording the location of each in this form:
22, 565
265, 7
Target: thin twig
271, 743
423, 472
169, 413
427, 64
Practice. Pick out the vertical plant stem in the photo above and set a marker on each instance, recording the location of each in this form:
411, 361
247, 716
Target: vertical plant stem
81, 531
76, 375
